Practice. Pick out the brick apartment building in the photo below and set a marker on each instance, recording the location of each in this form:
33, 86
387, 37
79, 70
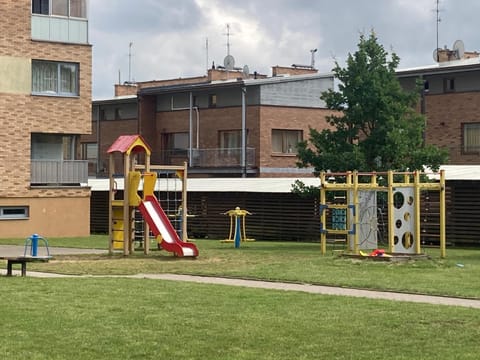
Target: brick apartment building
225, 124
45, 105
451, 102
199, 119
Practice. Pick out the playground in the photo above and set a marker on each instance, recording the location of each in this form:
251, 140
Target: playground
120, 295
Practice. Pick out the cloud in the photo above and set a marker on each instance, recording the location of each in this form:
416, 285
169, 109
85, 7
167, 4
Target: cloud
169, 36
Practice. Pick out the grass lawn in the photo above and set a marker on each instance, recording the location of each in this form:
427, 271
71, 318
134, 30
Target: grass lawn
92, 318
118, 318
457, 275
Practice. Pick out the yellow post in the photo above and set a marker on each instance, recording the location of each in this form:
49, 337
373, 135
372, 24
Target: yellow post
416, 217
391, 209
111, 169
349, 219
126, 206
356, 215
146, 230
323, 215
184, 203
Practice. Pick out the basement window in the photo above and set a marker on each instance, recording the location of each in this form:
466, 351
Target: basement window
14, 212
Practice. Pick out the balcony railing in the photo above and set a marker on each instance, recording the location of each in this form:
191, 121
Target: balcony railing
55, 172
210, 158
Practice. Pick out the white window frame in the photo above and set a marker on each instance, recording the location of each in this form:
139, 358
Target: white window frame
14, 212
57, 80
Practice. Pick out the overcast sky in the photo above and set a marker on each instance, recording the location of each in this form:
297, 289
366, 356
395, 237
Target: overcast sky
169, 36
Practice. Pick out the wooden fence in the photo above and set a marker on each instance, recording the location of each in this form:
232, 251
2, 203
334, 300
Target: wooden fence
289, 217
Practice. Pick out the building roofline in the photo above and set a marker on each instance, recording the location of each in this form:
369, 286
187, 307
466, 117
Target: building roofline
219, 84
441, 68
115, 99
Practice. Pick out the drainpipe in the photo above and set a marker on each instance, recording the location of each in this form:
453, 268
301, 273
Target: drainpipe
244, 134
190, 131
98, 141
197, 127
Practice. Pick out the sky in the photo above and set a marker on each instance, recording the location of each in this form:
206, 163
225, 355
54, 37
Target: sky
142, 40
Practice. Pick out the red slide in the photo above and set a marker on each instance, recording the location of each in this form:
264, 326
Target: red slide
159, 224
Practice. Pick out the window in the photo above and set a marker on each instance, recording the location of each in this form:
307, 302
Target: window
448, 84
230, 139
177, 143
40, 7
471, 138
285, 141
53, 147
212, 100
90, 153
14, 212
65, 8
54, 78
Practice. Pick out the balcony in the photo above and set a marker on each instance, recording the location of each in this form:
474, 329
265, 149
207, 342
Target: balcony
54, 28
210, 158
55, 172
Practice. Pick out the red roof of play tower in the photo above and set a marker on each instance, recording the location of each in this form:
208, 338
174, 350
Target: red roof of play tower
128, 144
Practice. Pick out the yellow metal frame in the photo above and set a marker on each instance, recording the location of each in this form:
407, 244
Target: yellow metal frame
352, 185
234, 215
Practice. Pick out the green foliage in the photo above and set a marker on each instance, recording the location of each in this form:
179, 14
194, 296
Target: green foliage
376, 126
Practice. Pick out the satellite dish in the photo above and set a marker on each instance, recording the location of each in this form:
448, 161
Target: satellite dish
246, 71
435, 54
459, 49
229, 62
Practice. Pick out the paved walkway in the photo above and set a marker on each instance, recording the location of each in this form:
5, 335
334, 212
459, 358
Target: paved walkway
312, 289
16, 250
12, 250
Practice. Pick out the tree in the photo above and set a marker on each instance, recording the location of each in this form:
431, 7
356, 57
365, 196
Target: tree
376, 126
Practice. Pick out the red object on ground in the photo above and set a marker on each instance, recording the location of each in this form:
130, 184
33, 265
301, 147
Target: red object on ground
377, 252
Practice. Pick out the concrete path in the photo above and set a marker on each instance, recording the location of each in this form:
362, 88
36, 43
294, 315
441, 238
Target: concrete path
12, 250
15, 250
312, 289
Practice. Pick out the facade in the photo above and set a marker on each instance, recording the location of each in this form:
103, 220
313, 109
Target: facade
223, 125
200, 119
450, 99
45, 105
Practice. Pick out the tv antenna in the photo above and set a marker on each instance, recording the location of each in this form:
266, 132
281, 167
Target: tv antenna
438, 20
312, 63
130, 62
229, 61
228, 34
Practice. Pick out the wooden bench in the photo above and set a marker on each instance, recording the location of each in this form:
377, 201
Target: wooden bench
23, 260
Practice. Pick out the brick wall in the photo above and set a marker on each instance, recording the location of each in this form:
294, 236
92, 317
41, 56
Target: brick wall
53, 211
286, 119
283, 70
445, 115
22, 114
259, 121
